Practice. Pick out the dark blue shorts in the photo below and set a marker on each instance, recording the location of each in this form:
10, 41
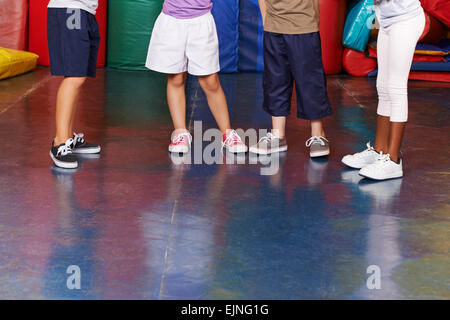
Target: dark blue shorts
290, 58
73, 42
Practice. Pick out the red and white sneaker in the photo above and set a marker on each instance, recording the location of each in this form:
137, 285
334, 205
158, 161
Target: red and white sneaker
181, 143
233, 143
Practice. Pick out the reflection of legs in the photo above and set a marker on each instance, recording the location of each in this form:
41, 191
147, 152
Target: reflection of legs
66, 106
176, 98
216, 100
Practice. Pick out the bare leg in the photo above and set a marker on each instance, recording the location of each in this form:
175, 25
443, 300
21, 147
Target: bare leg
65, 107
279, 127
382, 139
216, 100
176, 98
317, 128
395, 139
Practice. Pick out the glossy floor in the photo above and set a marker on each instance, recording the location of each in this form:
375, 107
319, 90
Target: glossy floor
140, 224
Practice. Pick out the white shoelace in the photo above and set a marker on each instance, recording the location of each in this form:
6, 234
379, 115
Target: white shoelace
315, 139
268, 137
384, 157
66, 148
181, 136
232, 137
78, 137
369, 148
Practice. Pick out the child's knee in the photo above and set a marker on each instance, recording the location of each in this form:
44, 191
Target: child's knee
75, 81
176, 80
210, 83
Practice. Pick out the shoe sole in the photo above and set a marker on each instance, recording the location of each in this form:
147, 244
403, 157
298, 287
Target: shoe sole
65, 165
319, 154
87, 150
351, 166
266, 152
394, 176
179, 150
230, 149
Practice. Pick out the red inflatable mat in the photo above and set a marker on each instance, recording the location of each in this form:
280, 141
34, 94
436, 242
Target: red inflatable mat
430, 76
357, 63
37, 39
439, 9
13, 24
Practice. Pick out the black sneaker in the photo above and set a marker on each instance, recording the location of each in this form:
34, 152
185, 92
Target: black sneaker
62, 155
81, 146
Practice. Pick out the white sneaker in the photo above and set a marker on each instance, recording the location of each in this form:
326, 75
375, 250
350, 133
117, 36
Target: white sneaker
382, 169
361, 159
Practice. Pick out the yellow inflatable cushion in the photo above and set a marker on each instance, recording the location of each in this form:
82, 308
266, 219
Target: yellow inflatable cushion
15, 62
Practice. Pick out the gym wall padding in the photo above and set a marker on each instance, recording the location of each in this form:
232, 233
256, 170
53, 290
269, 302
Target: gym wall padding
357, 26
357, 64
226, 16
37, 34
130, 25
251, 31
13, 24
332, 21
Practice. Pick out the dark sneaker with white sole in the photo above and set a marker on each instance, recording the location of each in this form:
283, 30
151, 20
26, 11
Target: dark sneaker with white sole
319, 146
63, 156
269, 144
81, 146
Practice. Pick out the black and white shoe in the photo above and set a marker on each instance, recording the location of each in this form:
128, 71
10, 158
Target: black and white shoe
81, 146
62, 155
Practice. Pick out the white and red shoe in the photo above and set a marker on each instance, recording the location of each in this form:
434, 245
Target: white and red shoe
181, 143
233, 143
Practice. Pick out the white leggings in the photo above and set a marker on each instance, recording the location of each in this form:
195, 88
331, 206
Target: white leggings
396, 46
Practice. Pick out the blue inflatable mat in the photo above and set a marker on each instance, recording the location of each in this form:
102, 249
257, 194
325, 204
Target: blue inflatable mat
423, 66
442, 48
358, 24
226, 15
251, 32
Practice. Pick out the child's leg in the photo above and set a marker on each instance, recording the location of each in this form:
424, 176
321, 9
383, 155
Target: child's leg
317, 128
216, 100
66, 106
403, 41
279, 127
176, 98
384, 102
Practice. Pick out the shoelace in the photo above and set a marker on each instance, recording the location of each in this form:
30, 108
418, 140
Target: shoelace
78, 137
369, 148
65, 149
384, 157
232, 137
180, 137
268, 137
315, 139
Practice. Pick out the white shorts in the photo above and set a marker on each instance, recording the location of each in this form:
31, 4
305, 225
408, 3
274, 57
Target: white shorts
180, 45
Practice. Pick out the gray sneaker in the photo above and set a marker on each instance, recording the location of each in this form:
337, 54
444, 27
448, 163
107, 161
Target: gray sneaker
269, 144
319, 146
